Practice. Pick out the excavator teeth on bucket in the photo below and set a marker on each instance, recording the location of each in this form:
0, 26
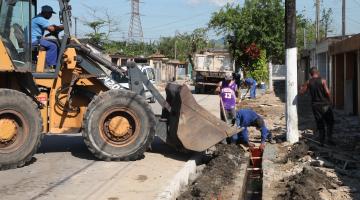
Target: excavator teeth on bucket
190, 124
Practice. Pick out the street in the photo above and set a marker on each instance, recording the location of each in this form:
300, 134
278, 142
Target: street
63, 168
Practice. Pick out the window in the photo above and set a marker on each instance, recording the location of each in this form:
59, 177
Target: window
150, 73
14, 23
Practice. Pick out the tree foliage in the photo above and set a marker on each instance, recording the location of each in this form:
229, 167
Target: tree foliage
186, 44
259, 21
306, 28
101, 23
130, 49
259, 70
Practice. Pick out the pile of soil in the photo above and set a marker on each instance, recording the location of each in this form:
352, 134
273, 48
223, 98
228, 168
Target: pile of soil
298, 151
310, 184
218, 174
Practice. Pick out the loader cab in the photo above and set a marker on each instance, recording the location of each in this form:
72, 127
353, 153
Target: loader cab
15, 18
15, 32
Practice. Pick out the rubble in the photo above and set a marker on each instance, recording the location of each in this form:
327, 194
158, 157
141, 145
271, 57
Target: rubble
307, 170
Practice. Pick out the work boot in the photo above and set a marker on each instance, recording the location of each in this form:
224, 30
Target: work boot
50, 69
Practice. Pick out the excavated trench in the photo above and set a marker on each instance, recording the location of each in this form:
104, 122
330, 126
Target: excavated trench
228, 173
254, 182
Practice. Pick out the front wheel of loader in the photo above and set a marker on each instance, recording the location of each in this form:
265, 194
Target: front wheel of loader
20, 129
119, 125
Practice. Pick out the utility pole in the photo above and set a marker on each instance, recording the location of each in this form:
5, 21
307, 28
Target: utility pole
317, 21
175, 48
292, 134
343, 17
305, 41
76, 33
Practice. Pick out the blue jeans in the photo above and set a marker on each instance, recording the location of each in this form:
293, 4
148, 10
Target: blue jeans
253, 90
51, 51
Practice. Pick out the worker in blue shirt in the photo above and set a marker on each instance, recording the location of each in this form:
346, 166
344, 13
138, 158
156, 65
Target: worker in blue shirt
251, 84
39, 25
246, 118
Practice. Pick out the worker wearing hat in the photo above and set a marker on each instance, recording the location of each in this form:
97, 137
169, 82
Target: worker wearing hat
227, 90
39, 25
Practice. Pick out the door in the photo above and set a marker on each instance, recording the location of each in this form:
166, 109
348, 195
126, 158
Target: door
15, 32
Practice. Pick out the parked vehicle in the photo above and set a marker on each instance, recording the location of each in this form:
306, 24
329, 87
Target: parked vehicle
210, 68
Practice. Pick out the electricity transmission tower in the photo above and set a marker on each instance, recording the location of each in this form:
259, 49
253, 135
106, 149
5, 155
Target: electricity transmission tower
135, 30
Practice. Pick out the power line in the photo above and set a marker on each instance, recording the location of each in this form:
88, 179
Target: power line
173, 22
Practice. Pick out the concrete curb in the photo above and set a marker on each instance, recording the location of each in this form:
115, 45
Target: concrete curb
180, 180
268, 167
238, 189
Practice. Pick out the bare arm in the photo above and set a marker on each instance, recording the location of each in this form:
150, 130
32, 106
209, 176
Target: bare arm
218, 88
54, 28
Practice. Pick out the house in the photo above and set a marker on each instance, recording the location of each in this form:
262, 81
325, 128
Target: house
317, 55
345, 61
338, 60
167, 70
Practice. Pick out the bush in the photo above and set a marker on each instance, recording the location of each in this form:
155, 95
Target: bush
259, 69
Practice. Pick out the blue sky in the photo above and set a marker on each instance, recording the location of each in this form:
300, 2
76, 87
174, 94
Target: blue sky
166, 17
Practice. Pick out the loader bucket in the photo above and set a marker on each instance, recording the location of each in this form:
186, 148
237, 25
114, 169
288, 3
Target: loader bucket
189, 124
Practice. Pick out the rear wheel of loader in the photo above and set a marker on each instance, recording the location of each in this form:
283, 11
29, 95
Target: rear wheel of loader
20, 129
119, 125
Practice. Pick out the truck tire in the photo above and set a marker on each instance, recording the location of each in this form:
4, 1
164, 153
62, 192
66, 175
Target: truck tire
21, 129
199, 89
119, 125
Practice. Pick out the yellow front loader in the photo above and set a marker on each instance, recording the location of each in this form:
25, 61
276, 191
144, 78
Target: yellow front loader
83, 94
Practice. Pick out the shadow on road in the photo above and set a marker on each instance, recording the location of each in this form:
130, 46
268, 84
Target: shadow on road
66, 143
76, 146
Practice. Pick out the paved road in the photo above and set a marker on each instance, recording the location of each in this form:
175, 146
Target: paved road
64, 169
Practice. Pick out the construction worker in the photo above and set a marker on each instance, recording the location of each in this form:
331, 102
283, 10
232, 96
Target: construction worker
227, 90
246, 118
321, 105
39, 25
251, 84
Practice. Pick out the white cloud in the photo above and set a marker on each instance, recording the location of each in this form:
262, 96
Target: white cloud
216, 2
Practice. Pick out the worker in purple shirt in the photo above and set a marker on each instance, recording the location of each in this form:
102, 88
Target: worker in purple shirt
227, 90
251, 84
246, 118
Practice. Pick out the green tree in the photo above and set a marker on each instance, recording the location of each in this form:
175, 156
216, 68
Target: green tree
130, 49
258, 21
260, 70
101, 23
187, 44
326, 21
95, 36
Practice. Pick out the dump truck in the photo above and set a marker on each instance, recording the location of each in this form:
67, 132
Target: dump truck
80, 96
210, 68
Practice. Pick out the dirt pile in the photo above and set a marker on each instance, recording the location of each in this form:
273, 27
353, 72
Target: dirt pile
307, 170
218, 174
311, 184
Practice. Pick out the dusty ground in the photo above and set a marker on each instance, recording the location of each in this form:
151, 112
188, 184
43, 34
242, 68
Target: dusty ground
306, 170
217, 175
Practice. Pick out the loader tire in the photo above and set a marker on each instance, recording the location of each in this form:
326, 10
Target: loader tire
119, 125
20, 129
